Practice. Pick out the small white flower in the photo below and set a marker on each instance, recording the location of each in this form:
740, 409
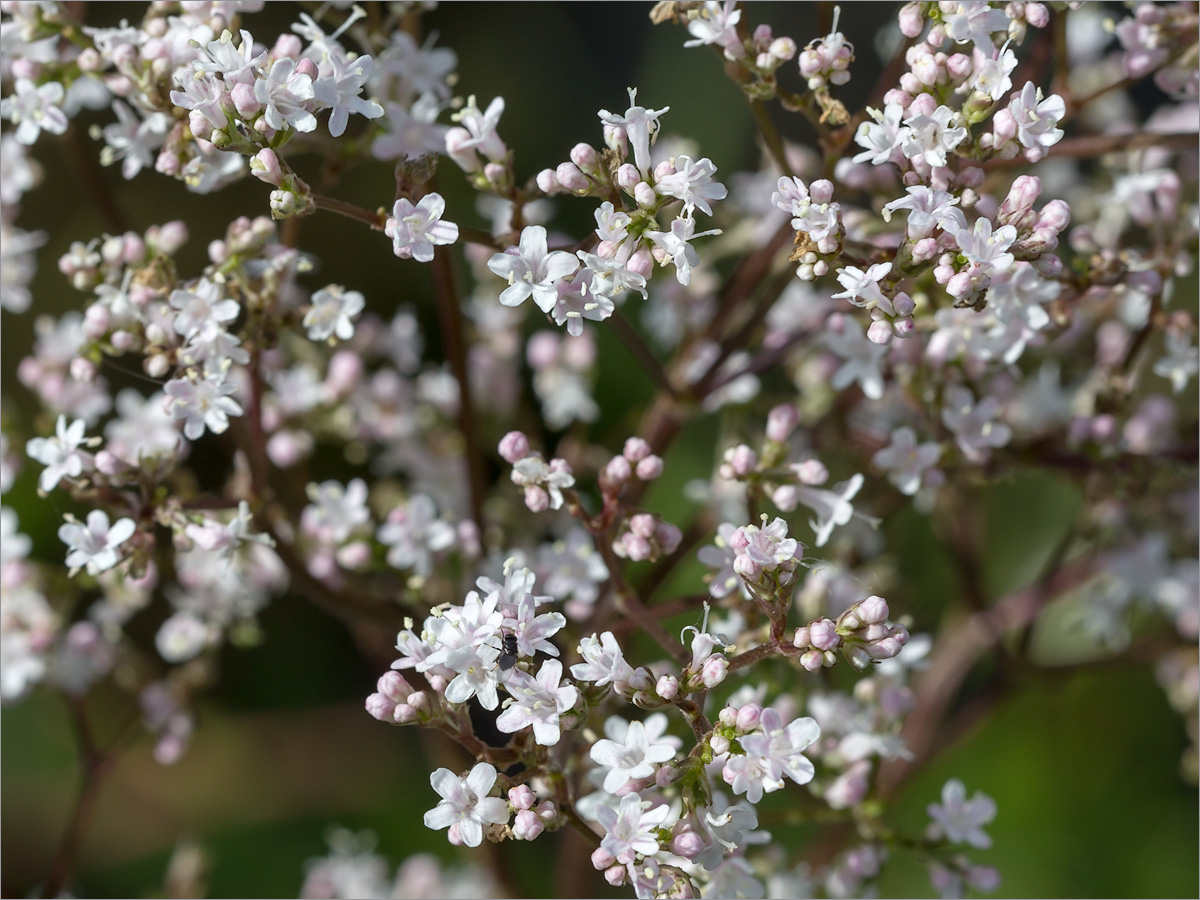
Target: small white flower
413, 534
675, 245
1036, 117
632, 750
630, 830
960, 819
415, 230
95, 544
285, 96
862, 359
641, 126
336, 511
932, 137
60, 454
905, 461
465, 803
181, 637
1181, 361
603, 662
539, 702
693, 184
34, 109
332, 312
532, 270
204, 403
974, 425
340, 90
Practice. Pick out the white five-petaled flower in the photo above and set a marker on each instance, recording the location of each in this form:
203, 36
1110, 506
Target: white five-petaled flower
415, 230
60, 454
532, 270
862, 359
1037, 118
769, 547
533, 471
676, 247
134, 139
202, 403
633, 750
332, 312
235, 65
992, 78
477, 132
629, 830
833, 508
905, 461
974, 21
202, 310
533, 631
640, 124
862, 288
716, 23
973, 424
34, 109
538, 701
881, 137
693, 184
465, 803
285, 97
984, 246
340, 91
413, 533
95, 544
603, 662
781, 748
962, 820
335, 511
927, 209
1181, 361
932, 137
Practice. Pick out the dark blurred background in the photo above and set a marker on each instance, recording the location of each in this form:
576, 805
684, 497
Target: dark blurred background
1084, 767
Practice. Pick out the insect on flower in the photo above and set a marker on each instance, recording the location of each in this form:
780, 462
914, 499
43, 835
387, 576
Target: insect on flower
508, 654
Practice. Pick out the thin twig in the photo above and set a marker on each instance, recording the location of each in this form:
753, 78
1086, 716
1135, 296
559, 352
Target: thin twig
454, 343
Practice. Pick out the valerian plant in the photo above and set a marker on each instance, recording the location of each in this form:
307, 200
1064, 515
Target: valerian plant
944, 285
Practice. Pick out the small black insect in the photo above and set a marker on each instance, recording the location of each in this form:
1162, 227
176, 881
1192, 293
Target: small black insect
508, 656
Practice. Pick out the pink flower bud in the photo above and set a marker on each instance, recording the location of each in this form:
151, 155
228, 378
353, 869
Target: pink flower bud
663, 169
514, 447
714, 670
602, 859
880, 332
633, 547
741, 459
644, 194
585, 156
641, 263
527, 826
1038, 16
265, 165
614, 875
811, 472
923, 104
747, 568
571, 178
650, 468
824, 634
668, 537
522, 797
244, 101
810, 63
381, 708
748, 717
728, 716
617, 471
781, 422
786, 497
547, 182
1004, 128
960, 285
911, 20
636, 449
536, 499
687, 844
812, 660
286, 448
96, 321
628, 177
803, 637
393, 686
1055, 215
719, 744
783, 48
667, 687
642, 525
354, 555
123, 340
